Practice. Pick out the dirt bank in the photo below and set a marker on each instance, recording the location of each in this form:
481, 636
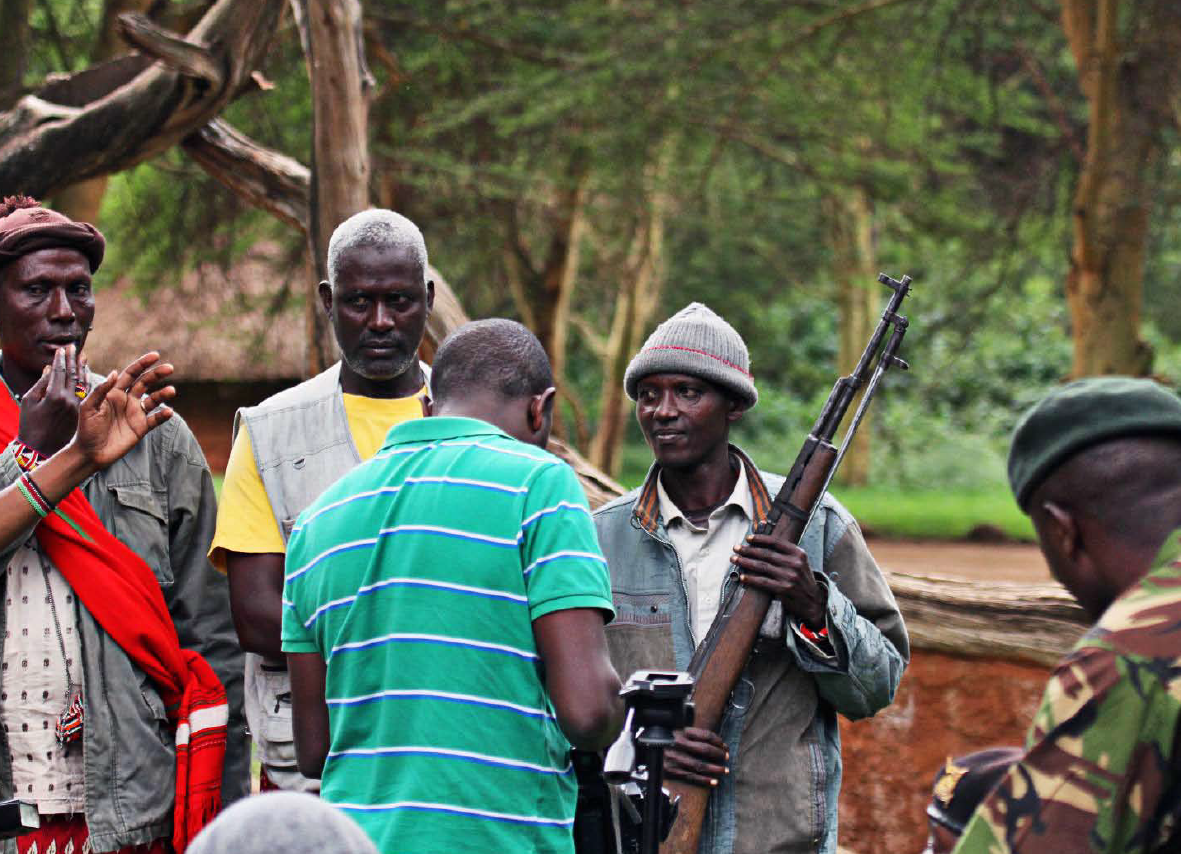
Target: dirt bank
946, 706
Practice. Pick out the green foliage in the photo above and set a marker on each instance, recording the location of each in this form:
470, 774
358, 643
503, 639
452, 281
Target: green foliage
155, 250
63, 35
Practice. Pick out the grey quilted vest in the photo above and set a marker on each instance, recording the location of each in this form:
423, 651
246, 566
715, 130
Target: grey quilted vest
302, 445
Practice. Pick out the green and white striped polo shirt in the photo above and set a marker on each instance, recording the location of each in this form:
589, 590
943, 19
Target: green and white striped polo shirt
417, 576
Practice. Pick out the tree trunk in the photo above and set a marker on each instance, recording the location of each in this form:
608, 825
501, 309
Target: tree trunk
560, 275
1030, 622
14, 47
542, 294
340, 144
1128, 72
639, 296
854, 266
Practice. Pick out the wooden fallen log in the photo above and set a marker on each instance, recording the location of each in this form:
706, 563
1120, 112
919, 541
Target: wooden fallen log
1038, 623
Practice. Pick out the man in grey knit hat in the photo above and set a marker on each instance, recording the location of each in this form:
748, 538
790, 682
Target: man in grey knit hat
832, 642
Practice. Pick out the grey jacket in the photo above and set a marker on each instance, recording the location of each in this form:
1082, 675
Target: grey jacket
159, 501
780, 724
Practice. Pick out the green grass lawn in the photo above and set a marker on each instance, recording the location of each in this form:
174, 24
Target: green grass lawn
935, 515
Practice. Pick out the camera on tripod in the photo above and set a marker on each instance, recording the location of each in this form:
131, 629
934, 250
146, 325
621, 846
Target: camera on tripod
657, 704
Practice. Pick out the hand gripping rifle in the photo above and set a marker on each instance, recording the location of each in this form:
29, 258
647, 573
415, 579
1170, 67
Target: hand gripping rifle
721, 657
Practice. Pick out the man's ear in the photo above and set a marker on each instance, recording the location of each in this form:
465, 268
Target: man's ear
541, 406
1062, 530
428, 406
325, 290
735, 409
430, 296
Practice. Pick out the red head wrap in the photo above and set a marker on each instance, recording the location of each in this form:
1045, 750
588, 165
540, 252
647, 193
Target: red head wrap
26, 227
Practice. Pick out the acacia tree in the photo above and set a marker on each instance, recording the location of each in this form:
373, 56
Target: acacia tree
119, 113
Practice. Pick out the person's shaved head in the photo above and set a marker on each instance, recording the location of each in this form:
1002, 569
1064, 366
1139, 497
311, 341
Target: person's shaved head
1103, 514
1131, 486
495, 355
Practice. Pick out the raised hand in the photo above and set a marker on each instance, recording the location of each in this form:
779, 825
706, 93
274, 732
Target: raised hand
49, 410
123, 409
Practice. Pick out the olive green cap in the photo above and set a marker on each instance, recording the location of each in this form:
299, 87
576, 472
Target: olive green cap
1081, 414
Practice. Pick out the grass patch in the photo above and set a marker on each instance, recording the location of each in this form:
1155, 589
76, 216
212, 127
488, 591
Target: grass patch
935, 515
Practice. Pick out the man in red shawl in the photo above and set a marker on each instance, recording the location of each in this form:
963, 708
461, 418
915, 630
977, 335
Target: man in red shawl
117, 634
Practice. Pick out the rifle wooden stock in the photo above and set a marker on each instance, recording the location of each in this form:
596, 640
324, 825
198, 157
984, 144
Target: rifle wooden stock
719, 660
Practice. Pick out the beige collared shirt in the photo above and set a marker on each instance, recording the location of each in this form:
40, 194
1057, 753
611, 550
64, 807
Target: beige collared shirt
705, 552
705, 561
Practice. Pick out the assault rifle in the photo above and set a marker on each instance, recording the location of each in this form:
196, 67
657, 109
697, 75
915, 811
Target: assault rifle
721, 657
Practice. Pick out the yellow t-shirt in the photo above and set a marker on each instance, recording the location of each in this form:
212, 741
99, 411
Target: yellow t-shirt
245, 521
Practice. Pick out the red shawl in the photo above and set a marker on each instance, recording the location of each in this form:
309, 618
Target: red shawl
121, 592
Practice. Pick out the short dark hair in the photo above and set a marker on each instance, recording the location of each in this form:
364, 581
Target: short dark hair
495, 354
1129, 484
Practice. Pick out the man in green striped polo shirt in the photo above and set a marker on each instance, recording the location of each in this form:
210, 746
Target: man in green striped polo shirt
444, 610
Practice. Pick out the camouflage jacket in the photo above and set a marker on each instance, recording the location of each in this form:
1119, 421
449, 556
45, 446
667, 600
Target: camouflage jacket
1102, 772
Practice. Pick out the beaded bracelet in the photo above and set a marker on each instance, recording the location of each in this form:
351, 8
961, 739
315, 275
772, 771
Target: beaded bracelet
34, 496
27, 457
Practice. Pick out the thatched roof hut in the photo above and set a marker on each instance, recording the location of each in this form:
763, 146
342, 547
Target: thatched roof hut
241, 325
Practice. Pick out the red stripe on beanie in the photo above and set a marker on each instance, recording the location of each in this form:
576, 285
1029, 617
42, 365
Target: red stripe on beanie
729, 364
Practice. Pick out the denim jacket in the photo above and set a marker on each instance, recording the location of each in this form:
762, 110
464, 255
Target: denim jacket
159, 501
780, 724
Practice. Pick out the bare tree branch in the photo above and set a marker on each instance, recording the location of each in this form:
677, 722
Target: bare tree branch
185, 57
44, 148
263, 177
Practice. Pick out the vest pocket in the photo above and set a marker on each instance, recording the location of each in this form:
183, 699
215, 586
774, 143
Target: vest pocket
640, 637
276, 744
141, 525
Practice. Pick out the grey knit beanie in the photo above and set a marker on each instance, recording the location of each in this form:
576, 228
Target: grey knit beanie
293, 822
697, 342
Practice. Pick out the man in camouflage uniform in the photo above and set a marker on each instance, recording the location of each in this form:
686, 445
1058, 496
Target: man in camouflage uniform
1097, 465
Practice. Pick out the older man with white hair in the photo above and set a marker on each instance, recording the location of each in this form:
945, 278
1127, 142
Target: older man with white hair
292, 446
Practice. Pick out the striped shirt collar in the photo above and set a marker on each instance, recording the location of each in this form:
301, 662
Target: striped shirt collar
647, 506
440, 427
